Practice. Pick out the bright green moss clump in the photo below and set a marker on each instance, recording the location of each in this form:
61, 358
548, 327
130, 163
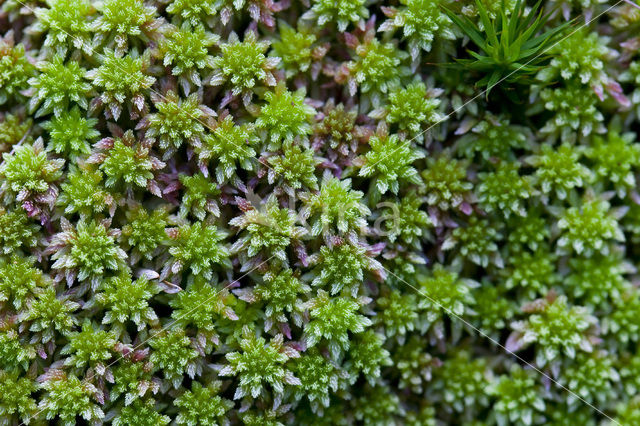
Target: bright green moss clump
202, 405
67, 397
421, 22
87, 250
284, 116
186, 51
389, 163
122, 80
229, 147
177, 121
59, 86
243, 64
319, 212
20, 281
199, 247
67, 24
17, 231
342, 12
15, 71
377, 67
28, 171
71, 134
259, 364
124, 299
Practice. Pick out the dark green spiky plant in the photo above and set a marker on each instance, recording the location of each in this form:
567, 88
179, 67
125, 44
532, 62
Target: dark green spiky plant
513, 45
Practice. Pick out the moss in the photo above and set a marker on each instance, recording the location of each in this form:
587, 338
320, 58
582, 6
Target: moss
59, 86
275, 212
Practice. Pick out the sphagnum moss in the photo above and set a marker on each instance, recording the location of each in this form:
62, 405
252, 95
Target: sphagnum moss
214, 212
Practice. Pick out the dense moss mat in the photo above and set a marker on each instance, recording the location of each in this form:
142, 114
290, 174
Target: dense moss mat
398, 212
